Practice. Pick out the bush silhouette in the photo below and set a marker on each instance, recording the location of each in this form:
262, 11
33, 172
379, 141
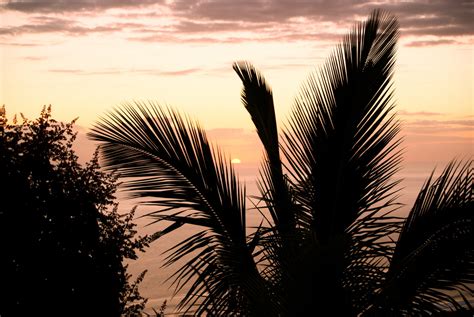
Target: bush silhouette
63, 243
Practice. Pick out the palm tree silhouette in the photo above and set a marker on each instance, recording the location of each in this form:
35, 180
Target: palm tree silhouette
331, 243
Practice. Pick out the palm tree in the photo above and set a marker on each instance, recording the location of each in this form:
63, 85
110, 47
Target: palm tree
330, 242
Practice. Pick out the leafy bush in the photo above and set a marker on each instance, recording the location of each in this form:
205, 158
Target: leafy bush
63, 241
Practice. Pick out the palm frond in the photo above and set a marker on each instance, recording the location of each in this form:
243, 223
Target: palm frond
342, 147
278, 245
257, 98
258, 101
342, 140
434, 257
169, 163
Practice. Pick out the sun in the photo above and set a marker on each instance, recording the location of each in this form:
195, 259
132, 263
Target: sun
235, 161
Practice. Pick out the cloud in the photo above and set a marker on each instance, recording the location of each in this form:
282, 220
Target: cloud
444, 123
229, 39
21, 44
217, 26
439, 17
433, 42
46, 24
34, 58
60, 6
178, 32
231, 21
461, 126
418, 113
422, 140
263, 11
114, 71
438, 139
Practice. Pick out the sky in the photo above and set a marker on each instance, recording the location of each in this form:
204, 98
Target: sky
85, 57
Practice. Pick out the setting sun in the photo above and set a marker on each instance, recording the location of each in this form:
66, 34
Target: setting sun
235, 161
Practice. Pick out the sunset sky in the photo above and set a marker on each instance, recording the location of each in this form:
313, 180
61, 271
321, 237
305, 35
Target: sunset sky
85, 57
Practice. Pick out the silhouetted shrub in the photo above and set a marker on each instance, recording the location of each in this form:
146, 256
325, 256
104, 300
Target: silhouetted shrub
63, 241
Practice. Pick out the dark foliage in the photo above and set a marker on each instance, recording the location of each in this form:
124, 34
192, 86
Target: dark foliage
62, 240
330, 243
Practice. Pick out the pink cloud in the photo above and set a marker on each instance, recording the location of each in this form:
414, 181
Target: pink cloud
113, 71
274, 20
35, 6
418, 113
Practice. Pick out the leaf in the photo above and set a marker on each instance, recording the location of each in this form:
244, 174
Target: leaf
342, 147
434, 257
168, 162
